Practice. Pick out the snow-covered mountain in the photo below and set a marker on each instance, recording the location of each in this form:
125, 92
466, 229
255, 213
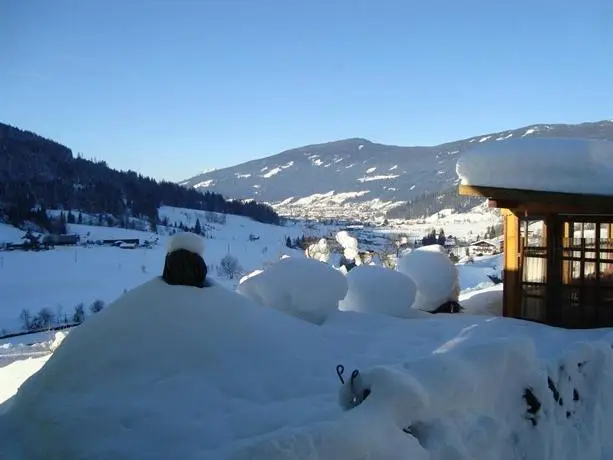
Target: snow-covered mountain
354, 177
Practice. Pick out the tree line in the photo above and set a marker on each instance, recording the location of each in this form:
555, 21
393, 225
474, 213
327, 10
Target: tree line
37, 173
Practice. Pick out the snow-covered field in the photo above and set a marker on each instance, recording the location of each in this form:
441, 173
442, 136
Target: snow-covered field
64, 277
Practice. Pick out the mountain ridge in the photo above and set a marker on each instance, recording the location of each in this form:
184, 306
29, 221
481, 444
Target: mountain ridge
342, 178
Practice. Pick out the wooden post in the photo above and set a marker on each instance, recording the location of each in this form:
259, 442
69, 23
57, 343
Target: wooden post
566, 264
512, 286
553, 296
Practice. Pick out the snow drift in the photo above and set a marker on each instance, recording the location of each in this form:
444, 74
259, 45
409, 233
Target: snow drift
304, 288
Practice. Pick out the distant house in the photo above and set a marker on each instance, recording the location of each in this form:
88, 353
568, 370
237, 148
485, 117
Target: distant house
61, 240
483, 248
450, 242
119, 242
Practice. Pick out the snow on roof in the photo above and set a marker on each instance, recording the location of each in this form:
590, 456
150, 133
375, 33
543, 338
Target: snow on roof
188, 241
567, 165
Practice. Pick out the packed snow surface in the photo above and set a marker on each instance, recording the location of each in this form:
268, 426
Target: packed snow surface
434, 274
539, 163
305, 288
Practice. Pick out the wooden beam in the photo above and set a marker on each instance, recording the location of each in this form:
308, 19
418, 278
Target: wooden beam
534, 201
511, 305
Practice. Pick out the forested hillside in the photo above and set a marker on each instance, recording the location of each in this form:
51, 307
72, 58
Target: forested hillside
38, 172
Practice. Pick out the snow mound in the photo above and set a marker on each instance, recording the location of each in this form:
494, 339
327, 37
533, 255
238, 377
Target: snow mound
186, 240
349, 244
163, 372
375, 289
499, 402
434, 274
304, 288
540, 163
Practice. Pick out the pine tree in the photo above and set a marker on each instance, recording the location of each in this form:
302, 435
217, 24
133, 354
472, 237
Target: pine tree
80, 218
198, 227
441, 237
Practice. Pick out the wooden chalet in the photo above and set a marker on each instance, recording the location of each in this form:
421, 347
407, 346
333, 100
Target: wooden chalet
558, 255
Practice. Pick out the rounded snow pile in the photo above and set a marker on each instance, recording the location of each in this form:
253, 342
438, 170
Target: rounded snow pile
375, 289
434, 274
163, 372
349, 244
304, 288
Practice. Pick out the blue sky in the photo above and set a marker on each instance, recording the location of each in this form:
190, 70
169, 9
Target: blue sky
169, 88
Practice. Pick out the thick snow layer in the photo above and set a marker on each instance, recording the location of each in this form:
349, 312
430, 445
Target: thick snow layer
188, 241
540, 163
434, 274
375, 289
304, 288
179, 372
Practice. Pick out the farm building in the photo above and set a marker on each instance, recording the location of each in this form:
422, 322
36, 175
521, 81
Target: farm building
483, 248
556, 197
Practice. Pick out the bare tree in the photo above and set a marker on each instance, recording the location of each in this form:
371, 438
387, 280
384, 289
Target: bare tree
96, 306
26, 319
230, 267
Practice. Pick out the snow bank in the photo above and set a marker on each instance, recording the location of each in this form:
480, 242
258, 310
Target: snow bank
304, 288
434, 274
540, 163
375, 289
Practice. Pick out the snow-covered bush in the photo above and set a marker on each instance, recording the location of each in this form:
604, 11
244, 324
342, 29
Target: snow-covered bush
319, 251
304, 288
351, 257
434, 274
374, 289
